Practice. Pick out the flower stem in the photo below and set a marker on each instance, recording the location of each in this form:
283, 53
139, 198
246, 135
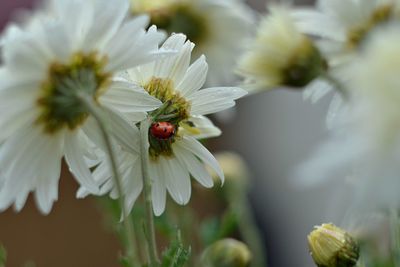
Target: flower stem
130, 250
149, 226
395, 235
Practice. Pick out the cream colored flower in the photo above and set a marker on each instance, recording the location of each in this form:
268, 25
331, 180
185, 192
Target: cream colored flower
62, 55
217, 27
364, 145
280, 55
175, 154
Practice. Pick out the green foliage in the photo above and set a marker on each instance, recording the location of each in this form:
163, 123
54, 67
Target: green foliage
3, 256
176, 255
214, 228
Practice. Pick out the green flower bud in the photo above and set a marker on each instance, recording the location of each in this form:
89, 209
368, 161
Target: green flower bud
331, 246
226, 253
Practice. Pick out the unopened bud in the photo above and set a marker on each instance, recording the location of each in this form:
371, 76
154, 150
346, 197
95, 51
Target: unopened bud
331, 246
226, 253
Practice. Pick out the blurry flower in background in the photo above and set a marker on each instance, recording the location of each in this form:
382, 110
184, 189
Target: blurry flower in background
226, 253
280, 55
331, 246
364, 146
50, 65
174, 152
217, 27
342, 27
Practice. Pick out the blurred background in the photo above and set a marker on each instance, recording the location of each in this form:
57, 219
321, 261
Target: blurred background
274, 131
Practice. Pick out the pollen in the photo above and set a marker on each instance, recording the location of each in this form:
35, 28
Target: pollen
59, 105
174, 111
380, 15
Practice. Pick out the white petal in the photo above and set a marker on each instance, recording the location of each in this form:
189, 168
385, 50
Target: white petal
77, 165
195, 167
194, 78
177, 179
194, 146
158, 189
108, 16
30, 161
127, 97
205, 127
124, 131
214, 99
164, 66
146, 43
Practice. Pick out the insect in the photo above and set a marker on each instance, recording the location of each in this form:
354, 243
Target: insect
162, 130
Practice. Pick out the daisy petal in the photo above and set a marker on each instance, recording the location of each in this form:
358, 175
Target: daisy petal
194, 78
177, 180
158, 189
205, 127
76, 162
127, 97
195, 167
214, 99
195, 147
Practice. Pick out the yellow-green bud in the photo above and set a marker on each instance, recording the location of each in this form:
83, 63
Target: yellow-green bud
331, 246
226, 253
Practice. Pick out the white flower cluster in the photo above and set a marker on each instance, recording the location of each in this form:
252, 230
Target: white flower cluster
350, 47
360, 39
72, 65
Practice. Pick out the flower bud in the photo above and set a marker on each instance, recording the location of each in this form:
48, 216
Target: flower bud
226, 253
331, 246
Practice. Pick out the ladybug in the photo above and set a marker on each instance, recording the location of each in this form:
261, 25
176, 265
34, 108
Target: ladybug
162, 130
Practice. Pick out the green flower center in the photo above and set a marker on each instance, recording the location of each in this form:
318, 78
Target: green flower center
304, 66
358, 34
181, 18
59, 104
175, 110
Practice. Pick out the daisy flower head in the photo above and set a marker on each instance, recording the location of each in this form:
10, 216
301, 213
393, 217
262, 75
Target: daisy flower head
218, 28
280, 55
172, 130
342, 28
364, 147
53, 64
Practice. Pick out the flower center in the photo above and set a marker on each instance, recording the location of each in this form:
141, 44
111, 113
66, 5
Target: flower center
180, 17
59, 102
303, 66
167, 118
380, 15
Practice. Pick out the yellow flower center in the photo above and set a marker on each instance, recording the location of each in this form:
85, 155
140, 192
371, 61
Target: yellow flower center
175, 110
59, 103
380, 15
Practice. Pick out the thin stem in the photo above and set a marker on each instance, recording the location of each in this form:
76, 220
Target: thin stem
149, 226
395, 235
239, 204
130, 251
337, 84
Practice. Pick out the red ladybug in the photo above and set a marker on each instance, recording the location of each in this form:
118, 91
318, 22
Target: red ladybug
162, 130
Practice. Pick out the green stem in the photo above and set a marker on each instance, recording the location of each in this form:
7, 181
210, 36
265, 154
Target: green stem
149, 226
130, 250
249, 230
395, 235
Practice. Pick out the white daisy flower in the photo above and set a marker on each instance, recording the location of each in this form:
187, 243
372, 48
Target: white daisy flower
342, 27
217, 27
174, 152
71, 51
365, 146
280, 55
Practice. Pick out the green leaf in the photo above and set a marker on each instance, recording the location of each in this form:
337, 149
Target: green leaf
176, 255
